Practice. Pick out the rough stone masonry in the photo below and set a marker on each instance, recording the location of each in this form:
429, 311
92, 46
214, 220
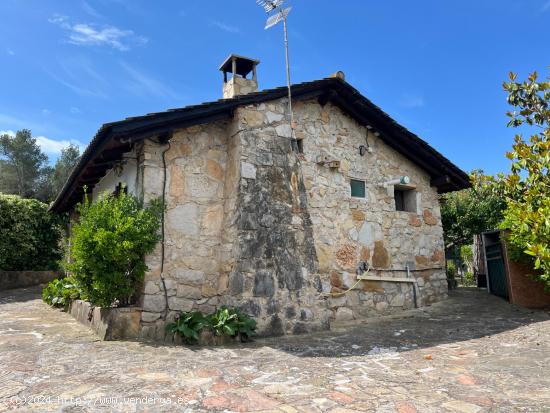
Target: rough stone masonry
253, 224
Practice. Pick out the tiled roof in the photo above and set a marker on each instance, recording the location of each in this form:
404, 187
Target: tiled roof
114, 138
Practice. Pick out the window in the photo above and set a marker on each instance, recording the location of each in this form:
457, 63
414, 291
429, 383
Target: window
405, 199
357, 188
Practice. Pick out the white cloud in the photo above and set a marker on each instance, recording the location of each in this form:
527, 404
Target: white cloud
82, 91
89, 34
141, 84
46, 112
411, 101
90, 10
79, 75
10, 52
546, 6
50, 146
7, 132
225, 27
75, 111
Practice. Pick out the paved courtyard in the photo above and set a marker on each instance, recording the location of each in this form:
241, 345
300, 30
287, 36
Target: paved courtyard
472, 353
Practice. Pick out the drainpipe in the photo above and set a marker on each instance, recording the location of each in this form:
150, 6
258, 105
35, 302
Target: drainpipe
162, 253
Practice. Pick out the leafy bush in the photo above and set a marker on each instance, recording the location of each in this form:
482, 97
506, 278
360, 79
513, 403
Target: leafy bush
230, 322
222, 322
188, 325
29, 235
109, 242
60, 292
471, 211
451, 270
527, 187
468, 280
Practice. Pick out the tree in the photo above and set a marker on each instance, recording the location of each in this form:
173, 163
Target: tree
44, 190
29, 235
471, 211
24, 171
23, 163
527, 187
64, 165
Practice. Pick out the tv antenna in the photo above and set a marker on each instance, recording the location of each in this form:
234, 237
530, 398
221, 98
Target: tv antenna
280, 15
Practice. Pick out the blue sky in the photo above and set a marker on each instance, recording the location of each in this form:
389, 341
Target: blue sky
436, 66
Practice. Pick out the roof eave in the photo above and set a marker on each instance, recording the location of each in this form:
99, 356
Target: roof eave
446, 177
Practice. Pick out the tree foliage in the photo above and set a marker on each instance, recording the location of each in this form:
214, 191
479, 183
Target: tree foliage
29, 235
108, 246
527, 187
24, 168
63, 166
23, 163
471, 211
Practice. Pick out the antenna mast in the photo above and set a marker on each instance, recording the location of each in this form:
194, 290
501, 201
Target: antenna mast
281, 14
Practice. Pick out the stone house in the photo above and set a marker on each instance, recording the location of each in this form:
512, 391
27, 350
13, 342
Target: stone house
279, 222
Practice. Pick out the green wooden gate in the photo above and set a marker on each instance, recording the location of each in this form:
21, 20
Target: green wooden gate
496, 270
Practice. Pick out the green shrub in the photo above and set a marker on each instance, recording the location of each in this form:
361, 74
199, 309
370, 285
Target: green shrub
222, 322
29, 235
526, 188
468, 280
467, 256
230, 322
451, 270
188, 325
60, 292
108, 245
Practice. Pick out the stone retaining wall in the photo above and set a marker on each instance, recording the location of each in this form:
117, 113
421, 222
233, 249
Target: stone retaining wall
108, 323
20, 279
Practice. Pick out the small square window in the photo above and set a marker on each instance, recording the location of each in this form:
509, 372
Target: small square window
357, 188
405, 200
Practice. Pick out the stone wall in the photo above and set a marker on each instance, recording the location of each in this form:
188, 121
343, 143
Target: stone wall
108, 323
349, 230
251, 223
275, 277
21, 279
197, 203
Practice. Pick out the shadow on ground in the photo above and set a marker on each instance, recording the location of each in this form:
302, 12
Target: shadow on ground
21, 295
468, 313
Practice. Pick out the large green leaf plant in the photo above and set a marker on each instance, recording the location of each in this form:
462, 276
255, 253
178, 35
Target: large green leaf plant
526, 188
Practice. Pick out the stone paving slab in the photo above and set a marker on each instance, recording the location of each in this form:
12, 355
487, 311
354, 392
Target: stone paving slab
472, 353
